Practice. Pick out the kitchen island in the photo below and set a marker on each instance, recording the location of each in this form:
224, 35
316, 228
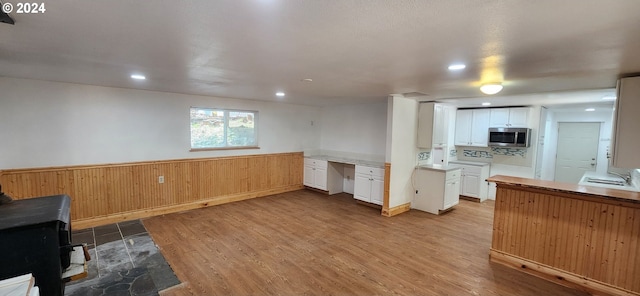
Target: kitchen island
580, 236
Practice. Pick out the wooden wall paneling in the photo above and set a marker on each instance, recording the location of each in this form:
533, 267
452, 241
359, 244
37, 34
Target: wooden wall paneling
595, 241
132, 189
634, 246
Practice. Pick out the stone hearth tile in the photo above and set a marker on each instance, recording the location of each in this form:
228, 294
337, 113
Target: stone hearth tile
100, 230
112, 257
83, 237
140, 246
107, 238
132, 229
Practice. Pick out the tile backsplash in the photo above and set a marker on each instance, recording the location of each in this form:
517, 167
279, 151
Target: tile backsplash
522, 152
495, 151
424, 155
476, 153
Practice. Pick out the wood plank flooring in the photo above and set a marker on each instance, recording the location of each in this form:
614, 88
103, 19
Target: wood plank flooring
307, 243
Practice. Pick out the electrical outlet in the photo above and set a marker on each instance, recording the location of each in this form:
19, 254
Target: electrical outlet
160, 179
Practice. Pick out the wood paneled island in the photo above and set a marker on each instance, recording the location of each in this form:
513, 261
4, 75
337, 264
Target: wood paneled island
584, 237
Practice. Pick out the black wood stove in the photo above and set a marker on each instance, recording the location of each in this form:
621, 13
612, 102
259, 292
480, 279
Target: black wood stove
35, 237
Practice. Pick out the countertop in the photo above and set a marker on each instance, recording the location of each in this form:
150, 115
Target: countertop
615, 194
476, 163
609, 177
369, 163
438, 167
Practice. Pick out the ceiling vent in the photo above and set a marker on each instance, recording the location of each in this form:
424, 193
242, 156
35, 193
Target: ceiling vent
414, 94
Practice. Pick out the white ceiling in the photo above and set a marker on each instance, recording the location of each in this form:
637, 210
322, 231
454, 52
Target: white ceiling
354, 50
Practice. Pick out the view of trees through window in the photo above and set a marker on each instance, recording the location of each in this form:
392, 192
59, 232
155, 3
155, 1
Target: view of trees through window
217, 128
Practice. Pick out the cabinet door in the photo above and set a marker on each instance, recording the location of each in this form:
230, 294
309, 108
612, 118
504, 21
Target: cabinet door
518, 117
626, 142
439, 127
480, 128
377, 190
463, 128
362, 187
320, 178
471, 185
425, 125
451, 194
309, 176
499, 117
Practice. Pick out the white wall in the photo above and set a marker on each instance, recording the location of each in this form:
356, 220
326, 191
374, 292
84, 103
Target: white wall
401, 151
604, 117
358, 129
55, 124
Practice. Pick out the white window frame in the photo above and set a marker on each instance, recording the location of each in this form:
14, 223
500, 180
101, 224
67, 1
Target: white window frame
226, 129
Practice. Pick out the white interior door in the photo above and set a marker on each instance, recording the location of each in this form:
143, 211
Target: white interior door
577, 150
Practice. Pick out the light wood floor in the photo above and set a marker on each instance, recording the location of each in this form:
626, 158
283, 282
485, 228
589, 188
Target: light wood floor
306, 243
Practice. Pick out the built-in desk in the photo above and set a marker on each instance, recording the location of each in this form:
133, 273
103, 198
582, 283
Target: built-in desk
580, 236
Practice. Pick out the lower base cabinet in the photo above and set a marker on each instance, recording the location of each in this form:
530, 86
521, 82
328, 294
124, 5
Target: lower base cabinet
369, 184
436, 190
473, 180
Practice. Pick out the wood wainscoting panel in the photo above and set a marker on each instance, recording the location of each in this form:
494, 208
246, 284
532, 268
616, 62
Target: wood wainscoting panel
597, 242
114, 192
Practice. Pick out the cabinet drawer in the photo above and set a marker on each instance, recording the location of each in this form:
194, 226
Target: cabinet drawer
452, 175
375, 172
472, 169
321, 164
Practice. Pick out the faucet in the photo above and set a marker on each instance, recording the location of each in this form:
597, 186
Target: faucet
627, 177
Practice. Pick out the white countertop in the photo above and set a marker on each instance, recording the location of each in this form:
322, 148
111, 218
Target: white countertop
347, 160
609, 177
438, 167
476, 163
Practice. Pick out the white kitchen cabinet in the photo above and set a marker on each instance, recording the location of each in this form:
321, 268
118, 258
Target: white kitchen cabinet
509, 117
472, 179
433, 125
315, 173
472, 127
626, 138
369, 184
323, 175
437, 190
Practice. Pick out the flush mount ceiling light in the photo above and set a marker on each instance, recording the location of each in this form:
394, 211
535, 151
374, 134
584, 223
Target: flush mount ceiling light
491, 88
486, 104
590, 109
307, 80
138, 77
455, 67
280, 94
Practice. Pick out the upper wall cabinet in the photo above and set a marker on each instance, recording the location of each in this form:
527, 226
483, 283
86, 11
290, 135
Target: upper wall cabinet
509, 117
472, 127
626, 138
433, 125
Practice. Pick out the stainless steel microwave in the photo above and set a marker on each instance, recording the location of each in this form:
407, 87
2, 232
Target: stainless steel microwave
509, 137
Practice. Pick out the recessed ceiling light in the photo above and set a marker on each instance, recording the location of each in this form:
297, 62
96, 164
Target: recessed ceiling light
455, 67
609, 98
280, 94
307, 80
138, 77
491, 88
590, 109
486, 104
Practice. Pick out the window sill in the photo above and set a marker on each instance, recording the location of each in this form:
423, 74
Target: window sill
223, 148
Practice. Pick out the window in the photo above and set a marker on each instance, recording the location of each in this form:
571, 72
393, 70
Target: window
223, 129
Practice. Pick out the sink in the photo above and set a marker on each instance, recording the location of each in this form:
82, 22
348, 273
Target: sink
605, 181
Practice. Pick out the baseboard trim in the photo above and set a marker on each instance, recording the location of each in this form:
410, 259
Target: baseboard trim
397, 210
558, 276
145, 213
